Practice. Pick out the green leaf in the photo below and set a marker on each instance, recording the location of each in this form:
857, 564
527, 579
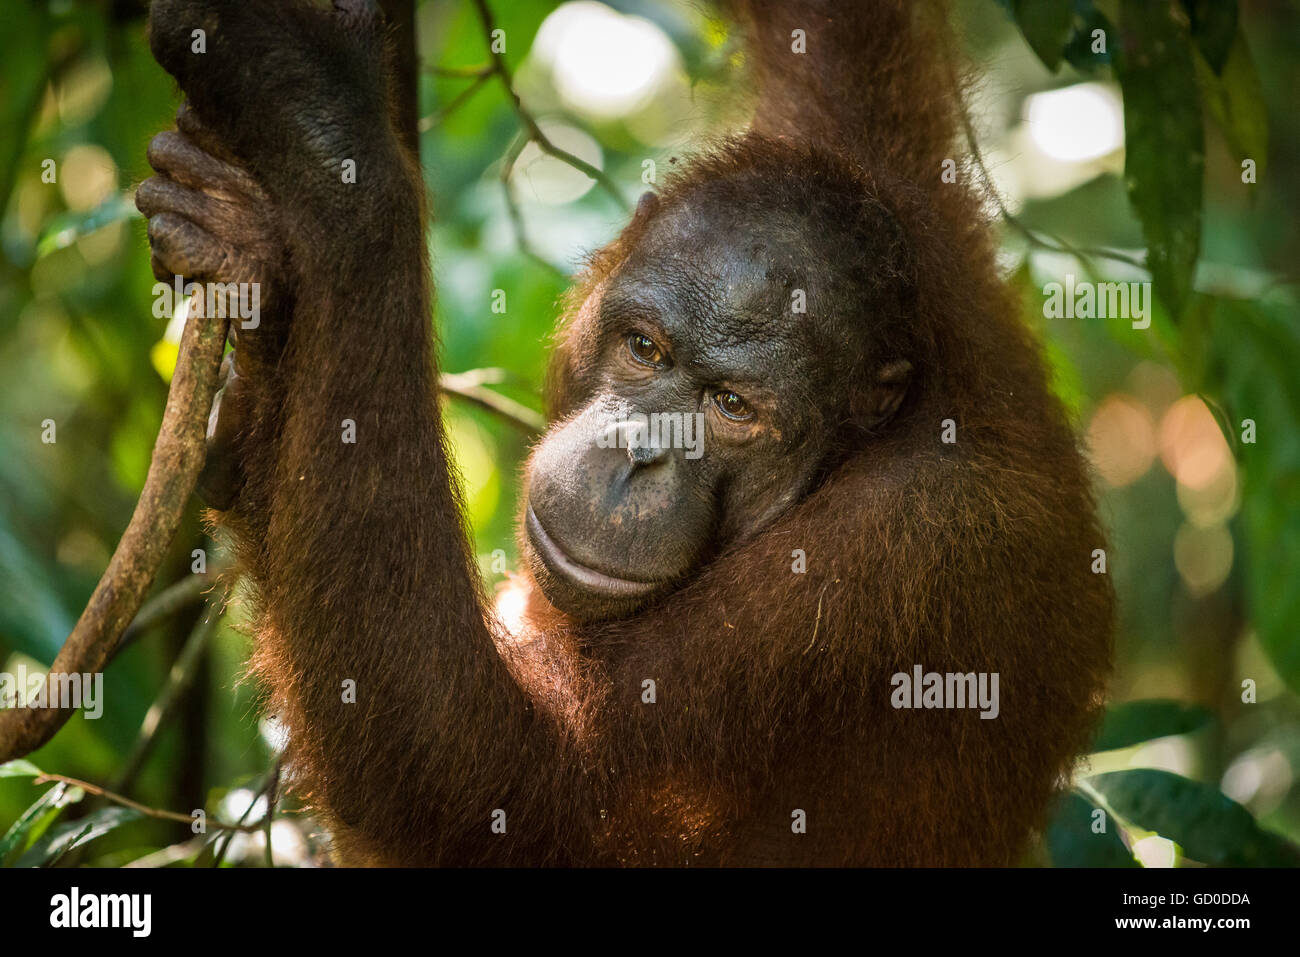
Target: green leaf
1164, 141
1046, 25
33, 619
1071, 841
23, 50
19, 769
32, 821
1272, 525
1247, 354
65, 229
1236, 101
1210, 827
1213, 26
1136, 721
63, 838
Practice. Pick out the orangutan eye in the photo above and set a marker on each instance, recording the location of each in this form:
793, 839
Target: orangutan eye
644, 350
732, 405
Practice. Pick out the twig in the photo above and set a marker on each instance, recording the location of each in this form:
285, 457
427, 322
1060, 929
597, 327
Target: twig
466, 385
1055, 243
272, 795
491, 375
462, 72
137, 806
533, 130
460, 99
1085, 254
165, 604
178, 680
268, 788
516, 215
172, 854
177, 458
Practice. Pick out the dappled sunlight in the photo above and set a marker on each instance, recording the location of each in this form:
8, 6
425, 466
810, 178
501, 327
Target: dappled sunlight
1121, 440
1192, 446
605, 64
1076, 123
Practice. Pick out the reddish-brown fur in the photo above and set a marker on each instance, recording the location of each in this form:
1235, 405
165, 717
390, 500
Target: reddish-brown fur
773, 688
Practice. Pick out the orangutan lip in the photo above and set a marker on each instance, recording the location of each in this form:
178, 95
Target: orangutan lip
559, 562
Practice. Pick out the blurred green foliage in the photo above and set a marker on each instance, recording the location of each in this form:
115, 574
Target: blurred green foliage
1191, 756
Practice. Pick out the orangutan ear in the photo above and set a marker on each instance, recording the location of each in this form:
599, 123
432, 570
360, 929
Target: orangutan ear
876, 404
646, 207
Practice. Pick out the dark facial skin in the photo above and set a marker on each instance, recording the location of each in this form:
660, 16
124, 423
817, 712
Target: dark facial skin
699, 319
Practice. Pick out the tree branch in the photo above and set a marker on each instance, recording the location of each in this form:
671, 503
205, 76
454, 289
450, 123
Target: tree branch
516, 214
269, 788
177, 458
534, 132
470, 386
178, 680
460, 99
464, 72
137, 806
1055, 243
165, 604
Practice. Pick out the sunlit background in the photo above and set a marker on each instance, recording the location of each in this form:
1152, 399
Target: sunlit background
629, 88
